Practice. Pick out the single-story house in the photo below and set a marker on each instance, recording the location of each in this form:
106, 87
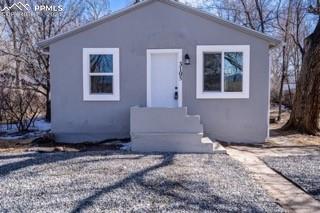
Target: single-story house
164, 74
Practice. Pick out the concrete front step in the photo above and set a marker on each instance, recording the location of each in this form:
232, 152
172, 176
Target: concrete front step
179, 143
168, 130
163, 120
216, 146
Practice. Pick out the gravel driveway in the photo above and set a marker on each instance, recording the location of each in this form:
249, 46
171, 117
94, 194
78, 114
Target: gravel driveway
119, 182
303, 170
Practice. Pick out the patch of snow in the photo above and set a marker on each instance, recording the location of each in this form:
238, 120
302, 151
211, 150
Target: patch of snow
126, 147
37, 129
42, 125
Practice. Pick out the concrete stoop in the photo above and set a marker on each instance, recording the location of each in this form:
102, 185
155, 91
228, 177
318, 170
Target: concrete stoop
169, 130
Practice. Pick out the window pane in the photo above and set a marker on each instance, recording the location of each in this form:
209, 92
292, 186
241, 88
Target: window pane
101, 63
101, 84
212, 72
233, 70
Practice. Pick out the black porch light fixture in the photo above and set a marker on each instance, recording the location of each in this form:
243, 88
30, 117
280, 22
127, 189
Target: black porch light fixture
187, 59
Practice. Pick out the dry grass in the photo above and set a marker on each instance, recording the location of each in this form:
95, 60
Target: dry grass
46, 144
289, 138
15, 145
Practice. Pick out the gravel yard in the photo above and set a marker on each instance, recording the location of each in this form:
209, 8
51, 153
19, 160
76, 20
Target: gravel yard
119, 182
303, 170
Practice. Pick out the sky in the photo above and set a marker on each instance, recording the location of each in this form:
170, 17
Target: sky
119, 4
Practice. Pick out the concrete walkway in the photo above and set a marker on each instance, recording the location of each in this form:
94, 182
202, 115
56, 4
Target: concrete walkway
281, 190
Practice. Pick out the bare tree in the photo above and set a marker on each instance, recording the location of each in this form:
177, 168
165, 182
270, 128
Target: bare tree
31, 64
306, 108
94, 9
22, 112
255, 14
285, 53
44, 26
23, 63
11, 22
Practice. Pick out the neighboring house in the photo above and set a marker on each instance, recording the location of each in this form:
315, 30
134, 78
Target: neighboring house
165, 58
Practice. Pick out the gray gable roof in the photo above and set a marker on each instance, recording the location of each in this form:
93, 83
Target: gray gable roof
272, 41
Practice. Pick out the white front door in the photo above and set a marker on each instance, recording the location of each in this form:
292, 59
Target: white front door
164, 86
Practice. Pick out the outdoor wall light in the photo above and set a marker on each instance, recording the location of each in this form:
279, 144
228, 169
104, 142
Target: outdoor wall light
187, 59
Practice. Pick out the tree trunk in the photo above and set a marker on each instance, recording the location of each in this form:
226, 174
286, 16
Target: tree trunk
283, 76
48, 107
290, 93
306, 108
285, 57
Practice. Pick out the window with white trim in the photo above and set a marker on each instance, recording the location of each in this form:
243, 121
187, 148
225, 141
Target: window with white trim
101, 74
223, 71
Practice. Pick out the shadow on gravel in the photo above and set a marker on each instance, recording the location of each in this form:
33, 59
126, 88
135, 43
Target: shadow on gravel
6, 157
181, 192
176, 190
33, 159
36, 159
167, 160
192, 203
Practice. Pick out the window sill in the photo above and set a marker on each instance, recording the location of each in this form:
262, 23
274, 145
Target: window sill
223, 95
101, 98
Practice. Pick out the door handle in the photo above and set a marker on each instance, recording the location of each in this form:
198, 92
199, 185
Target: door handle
176, 95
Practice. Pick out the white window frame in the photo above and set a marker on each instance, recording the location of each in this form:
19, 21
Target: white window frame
245, 49
87, 95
